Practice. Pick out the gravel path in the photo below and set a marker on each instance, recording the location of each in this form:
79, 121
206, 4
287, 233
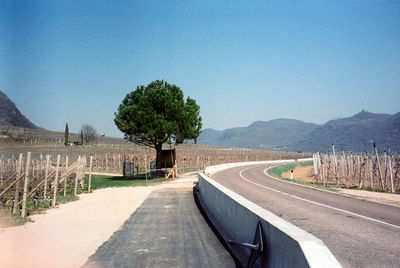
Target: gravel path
68, 235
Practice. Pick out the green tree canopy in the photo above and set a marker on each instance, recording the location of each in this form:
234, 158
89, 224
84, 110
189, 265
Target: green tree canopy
153, 114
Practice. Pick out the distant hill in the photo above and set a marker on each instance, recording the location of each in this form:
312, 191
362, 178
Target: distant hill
270, 135
11, 116
355, 133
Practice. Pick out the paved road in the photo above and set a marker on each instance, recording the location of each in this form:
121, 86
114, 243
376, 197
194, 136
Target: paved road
360, 233
166, 231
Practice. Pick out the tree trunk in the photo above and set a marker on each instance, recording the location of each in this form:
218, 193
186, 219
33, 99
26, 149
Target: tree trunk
158, 148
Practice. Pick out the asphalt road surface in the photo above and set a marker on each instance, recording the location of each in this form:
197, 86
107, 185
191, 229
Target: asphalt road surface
359, 233
166, 231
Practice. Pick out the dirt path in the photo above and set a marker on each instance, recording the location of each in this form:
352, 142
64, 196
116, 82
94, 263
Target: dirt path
306, 174
68, 235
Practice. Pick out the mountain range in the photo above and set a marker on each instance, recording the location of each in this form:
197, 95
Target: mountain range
356, 133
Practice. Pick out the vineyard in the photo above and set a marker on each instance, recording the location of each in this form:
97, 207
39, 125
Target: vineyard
39, 175
349, 170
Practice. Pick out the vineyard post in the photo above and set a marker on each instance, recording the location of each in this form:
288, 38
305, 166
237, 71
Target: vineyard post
379, 166
370, 173
77, 175
33, 167
65, 180
385, 156
344, 165
90, 172
16, 196
82, 177
56, 182
360, 179
324, 173
1, 171
390, 172
26, 182
145, 167
46, 175
334, 159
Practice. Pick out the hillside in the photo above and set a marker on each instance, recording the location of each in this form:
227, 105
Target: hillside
11, 116
274, 134
355, 133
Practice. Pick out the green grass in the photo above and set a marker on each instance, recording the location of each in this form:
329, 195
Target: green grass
277, 173
100, 181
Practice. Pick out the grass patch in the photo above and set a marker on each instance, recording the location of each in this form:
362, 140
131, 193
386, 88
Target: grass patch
277, 173
101, 181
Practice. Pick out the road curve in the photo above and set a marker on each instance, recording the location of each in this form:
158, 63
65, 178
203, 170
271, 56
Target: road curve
359, 233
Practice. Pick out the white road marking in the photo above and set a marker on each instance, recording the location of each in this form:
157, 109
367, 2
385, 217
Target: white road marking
327, 191
313, 202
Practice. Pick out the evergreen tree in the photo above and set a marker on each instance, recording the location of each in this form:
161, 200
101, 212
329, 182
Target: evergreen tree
155, 113
66, 135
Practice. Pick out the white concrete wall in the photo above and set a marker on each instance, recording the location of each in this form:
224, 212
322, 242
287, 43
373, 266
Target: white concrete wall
285, 245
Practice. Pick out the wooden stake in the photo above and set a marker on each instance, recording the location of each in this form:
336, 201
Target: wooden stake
16, 195
90, 173
77, 175
46, 175
56, 182
370, 173
379, 167
145, 166
65, 180
26, 182
390, 173
119, 161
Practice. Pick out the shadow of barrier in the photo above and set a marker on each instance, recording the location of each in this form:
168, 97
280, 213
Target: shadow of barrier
257, 237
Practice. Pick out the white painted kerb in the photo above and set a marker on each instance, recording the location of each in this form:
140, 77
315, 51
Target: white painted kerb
292, 246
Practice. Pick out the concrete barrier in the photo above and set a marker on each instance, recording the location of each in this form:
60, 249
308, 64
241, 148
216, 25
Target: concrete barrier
285, 245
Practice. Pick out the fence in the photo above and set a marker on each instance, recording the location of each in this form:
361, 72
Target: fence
188, 158
380, 172
45, 177
38, 179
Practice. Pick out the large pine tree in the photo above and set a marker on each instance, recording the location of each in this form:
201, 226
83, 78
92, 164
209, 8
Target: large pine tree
153, 114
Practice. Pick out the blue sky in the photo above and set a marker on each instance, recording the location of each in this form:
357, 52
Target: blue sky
242, 61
